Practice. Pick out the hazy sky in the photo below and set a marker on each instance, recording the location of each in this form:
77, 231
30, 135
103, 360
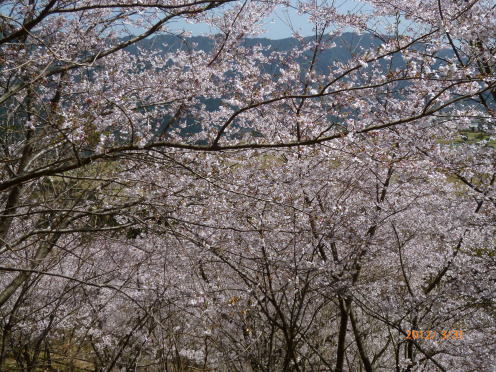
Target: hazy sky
279, 25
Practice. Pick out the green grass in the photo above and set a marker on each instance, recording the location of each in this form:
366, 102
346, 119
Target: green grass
471, 137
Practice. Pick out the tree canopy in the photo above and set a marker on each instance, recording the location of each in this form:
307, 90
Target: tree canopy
243, 208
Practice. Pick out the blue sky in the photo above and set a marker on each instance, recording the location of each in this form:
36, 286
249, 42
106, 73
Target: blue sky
281, 22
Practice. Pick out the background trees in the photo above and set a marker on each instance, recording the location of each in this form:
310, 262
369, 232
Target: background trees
237, 208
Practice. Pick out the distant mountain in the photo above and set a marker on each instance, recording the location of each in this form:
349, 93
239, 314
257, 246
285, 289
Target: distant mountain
345, 45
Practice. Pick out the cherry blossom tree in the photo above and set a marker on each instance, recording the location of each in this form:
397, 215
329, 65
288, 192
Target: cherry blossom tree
245, 209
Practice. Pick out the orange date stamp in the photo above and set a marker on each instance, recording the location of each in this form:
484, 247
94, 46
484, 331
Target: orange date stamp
454, 334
